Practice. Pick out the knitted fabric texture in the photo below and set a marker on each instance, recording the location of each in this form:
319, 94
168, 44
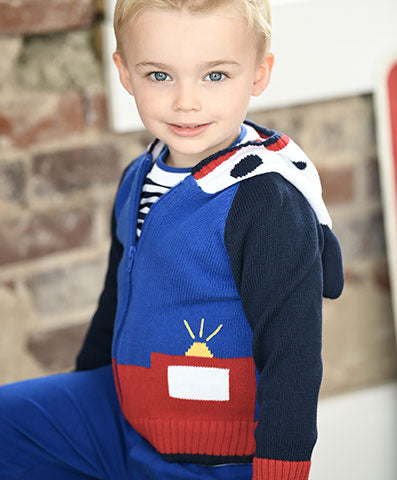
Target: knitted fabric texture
217, 337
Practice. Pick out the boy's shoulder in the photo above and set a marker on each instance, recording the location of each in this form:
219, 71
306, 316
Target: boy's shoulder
272, 200
257, 155
266, 152
126, 179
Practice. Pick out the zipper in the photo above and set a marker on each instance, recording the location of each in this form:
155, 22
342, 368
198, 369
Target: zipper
149, 213
131, 255
134, 249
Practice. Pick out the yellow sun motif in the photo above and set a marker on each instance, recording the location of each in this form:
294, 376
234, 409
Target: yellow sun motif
200, 349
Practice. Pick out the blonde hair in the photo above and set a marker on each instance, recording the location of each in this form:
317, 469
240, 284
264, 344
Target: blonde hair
257, 14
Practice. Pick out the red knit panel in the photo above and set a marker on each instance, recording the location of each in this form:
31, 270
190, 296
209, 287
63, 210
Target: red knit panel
170, 435
161, 437
175, 425
145, 391
268, 469
212, 435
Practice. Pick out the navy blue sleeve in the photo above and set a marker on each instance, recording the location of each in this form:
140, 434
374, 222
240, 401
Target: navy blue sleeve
96, 349
275, 245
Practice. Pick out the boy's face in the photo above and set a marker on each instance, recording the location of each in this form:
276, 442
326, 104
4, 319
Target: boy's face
184, 90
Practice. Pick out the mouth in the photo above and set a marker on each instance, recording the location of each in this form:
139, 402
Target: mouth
188, 129
189, 125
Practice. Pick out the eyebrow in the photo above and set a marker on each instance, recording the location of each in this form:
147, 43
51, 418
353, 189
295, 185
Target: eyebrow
214, 63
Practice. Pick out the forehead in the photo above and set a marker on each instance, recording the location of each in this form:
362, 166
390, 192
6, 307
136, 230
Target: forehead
159, 34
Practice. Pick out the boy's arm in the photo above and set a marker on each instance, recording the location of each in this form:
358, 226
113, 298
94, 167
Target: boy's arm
96, 349
275, 246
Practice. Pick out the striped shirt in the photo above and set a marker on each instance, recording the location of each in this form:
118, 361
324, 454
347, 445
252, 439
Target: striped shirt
162, 177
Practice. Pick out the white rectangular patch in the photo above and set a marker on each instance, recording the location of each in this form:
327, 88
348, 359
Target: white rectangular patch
198, 383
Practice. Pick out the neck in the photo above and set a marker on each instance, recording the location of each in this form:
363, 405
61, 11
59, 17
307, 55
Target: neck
183, 163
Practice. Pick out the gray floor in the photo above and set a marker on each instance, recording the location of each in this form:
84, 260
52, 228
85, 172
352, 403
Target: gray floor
357, 436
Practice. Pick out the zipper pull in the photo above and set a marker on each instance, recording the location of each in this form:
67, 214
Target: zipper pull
131, 254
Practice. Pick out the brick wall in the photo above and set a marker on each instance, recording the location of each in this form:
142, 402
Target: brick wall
59, 168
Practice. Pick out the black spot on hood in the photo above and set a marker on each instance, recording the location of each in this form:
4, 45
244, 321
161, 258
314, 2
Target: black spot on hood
246, 165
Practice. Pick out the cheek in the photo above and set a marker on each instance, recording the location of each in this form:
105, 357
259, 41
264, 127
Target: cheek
148, 101
235, 97
147, 107
234, 107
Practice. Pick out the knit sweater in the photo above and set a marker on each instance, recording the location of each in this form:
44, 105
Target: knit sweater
217, 309
162, 177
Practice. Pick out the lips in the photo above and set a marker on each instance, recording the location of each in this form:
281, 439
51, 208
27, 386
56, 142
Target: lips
190, 130
188, 125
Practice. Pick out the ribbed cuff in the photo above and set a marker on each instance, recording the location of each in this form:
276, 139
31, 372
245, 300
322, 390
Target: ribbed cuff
267, 469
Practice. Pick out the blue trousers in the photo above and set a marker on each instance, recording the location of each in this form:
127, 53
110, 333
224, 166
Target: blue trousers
70, 427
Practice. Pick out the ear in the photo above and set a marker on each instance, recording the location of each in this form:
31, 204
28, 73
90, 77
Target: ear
124, 74
262, 74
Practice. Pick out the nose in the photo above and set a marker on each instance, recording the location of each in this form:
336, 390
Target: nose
186, 97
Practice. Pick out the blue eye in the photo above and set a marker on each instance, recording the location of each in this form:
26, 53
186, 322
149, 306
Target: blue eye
161, 76
157, 73
217, 79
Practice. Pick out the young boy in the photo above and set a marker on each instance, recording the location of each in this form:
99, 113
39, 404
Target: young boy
222, 251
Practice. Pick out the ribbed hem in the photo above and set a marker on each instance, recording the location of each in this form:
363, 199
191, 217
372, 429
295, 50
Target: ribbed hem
268, 469
220, 438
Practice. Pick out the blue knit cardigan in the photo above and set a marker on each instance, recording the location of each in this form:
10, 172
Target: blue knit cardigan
213, 318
